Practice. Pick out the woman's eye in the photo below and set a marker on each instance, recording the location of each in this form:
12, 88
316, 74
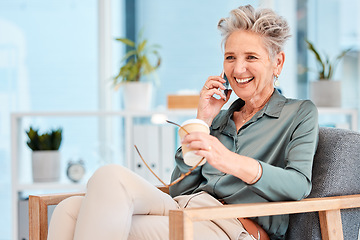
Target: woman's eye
252, 57
229, 58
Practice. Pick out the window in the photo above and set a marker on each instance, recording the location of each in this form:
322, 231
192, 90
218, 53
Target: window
48, 62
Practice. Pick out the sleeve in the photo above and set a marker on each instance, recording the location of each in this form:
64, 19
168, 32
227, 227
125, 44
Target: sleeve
294, 181
188, 184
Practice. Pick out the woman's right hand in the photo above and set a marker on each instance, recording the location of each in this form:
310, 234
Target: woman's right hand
209, 106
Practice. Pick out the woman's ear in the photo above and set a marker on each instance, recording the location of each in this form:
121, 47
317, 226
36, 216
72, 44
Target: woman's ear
279, 62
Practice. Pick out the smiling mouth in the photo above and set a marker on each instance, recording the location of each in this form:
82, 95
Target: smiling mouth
244, 80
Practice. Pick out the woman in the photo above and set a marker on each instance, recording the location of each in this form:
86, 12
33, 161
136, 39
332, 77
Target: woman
260, 149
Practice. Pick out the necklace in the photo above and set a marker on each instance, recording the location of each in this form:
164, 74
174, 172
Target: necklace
245, 118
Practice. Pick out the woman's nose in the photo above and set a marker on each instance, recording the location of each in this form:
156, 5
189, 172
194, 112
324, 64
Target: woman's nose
240, 67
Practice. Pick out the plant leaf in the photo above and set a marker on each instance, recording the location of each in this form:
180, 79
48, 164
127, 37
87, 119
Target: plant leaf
342, 54
126, 41
318, 58
337, 60
137, 61
47, 141
128, 55
141, 47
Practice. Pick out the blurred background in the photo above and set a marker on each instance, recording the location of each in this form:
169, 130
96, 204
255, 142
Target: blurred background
61, 56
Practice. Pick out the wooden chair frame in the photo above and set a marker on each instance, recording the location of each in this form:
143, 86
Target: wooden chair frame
181, 221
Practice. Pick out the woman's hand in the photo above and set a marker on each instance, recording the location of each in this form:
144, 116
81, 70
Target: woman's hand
212, 149
209, 106
221, 158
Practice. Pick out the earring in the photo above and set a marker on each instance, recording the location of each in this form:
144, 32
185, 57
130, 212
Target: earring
276, 82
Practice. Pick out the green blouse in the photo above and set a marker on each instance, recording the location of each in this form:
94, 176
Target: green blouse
282, 136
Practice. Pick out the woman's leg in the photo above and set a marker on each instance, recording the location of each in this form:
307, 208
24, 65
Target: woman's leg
150, 227
63, 219
232, 228
143, 198
143, 227
114, 195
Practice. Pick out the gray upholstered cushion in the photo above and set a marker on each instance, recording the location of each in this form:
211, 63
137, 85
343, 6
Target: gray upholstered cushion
335, 172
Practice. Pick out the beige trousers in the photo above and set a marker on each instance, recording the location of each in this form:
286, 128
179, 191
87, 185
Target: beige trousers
122, 205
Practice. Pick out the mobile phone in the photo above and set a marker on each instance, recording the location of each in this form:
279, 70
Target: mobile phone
226, 84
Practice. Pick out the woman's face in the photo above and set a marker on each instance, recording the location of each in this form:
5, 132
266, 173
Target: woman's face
248, 67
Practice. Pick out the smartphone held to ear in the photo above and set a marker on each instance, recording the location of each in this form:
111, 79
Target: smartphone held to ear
226, 84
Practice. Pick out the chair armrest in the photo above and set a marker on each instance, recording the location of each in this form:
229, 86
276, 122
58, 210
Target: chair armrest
38, 212
181, 221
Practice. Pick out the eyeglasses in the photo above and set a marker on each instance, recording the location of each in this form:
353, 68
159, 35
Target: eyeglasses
183, 175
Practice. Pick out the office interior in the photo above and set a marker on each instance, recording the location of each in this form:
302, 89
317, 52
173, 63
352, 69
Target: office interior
58, 60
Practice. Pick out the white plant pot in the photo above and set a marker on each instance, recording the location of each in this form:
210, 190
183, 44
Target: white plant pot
138, 96
46, 166
326, 93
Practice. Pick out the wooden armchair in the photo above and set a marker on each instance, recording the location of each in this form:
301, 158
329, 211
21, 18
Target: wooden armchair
336, 186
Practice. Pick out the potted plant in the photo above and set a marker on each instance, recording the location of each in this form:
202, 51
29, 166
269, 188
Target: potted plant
136, 66
45, 154
326, 92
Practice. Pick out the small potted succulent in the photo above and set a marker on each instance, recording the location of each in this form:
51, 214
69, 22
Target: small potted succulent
45, 154
136, 66
325, 92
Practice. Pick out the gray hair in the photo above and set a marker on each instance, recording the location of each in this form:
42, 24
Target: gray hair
273, 28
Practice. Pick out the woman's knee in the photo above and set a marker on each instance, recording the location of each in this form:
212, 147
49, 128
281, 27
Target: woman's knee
63, 219
109, 173
68, 208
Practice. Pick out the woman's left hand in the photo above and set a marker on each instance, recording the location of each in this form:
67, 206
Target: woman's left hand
212, 149
221, 158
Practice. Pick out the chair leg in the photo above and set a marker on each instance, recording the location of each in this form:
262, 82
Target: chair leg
331, 225
180, 226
